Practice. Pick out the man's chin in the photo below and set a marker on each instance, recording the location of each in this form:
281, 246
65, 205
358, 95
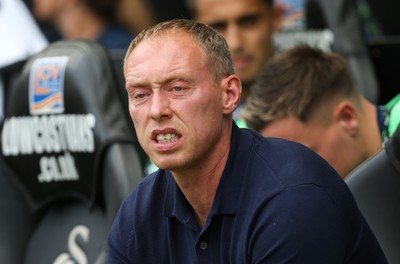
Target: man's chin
165, 165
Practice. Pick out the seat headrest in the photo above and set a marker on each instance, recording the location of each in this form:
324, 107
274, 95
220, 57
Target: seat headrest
63, 111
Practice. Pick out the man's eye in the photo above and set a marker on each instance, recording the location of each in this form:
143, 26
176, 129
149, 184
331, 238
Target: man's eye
177, 89
249, 21
139, 96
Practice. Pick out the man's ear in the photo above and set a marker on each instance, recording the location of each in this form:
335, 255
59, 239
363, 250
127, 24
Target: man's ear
347, 117
232, 89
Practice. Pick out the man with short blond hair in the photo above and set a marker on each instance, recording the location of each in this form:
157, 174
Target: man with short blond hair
222, 194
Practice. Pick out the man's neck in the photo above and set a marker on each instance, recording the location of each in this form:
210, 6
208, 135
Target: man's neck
371, 127
200, 186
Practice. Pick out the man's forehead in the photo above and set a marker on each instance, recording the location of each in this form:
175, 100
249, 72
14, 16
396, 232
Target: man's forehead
167, 50
168, 33
176, 37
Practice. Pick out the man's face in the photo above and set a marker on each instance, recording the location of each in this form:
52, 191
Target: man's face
247, 25
175, 104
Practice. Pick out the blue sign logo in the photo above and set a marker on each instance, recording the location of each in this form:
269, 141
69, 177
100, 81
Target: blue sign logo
46, 85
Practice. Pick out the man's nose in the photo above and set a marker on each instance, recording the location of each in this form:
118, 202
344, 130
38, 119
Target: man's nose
233, 38
160, 106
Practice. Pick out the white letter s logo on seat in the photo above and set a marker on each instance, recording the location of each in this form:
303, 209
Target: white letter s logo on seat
76, 253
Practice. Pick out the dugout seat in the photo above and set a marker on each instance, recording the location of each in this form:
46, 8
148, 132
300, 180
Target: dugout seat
375, 185
68, 157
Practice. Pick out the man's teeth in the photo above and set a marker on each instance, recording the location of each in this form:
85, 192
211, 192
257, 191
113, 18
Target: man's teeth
165, 138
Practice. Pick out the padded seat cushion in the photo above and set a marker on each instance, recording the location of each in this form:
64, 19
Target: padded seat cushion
76, 233
59, 122
375, 185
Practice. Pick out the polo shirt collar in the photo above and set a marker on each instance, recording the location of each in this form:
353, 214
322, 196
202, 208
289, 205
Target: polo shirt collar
229, 190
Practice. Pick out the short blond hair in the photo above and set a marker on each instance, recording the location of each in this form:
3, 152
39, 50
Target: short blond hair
213, 43
296, 83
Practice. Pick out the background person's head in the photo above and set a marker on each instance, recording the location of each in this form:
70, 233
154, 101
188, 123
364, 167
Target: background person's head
308, 96
46, 10
182, 92
76, 18
248, 27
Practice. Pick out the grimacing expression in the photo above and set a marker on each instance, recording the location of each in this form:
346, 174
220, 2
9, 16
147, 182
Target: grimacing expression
247, 25
174, 101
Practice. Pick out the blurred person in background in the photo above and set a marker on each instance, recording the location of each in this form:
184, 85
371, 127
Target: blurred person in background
141, 14
307, 95
84, 19
137, 15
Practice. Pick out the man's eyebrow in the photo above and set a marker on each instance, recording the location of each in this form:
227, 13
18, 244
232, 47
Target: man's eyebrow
143, 84
245, 18
177, 79
136, 83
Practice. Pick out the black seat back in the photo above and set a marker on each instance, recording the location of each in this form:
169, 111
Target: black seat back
375, 185
68, 149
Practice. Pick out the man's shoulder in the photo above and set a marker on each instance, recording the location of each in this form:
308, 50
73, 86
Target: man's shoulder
281, 150
155, 180
151, 188
288, 162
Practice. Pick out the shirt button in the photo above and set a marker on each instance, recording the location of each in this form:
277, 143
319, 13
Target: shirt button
203, 245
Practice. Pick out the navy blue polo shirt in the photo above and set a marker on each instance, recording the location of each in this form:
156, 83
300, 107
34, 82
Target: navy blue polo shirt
277, 202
